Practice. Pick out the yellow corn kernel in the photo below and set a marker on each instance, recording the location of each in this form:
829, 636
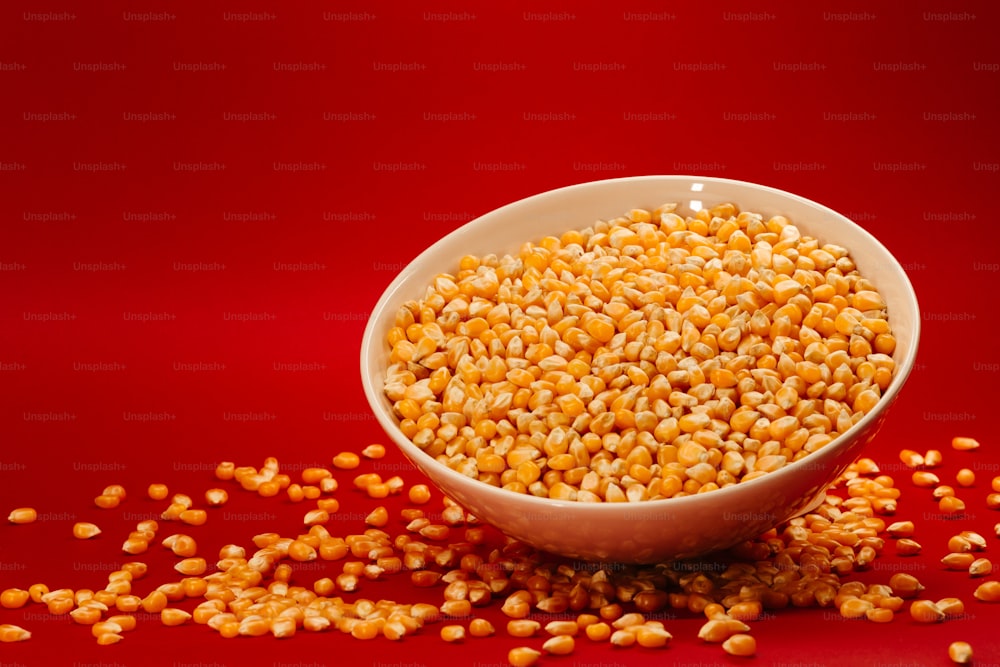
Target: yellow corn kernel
598, 631
378, 517
105, 501
191, 566
86, 615
136, 568
373, 451
154, 602
988, 591
651, 636
13, 633
925, 611
14, 598
114, 490
194, 517
523, 656
105, 627
960, 653
964, 444
36, 591
346, 461
216, 497
965, 477
480, 627
717, 630
157, 491
622, 638
951, 606
22, 515
911, 458
135, 545
172, 616
225, 471
521, 627
301, 551
900, 529
980, 567
905, 585
951, 505
740, 645
283, 627
181, 545
933, 458
419, 494
559, 645
925, 479
453, 633
127, 622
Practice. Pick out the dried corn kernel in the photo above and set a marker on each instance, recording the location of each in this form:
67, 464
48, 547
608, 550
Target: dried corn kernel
960, 653
964, 444
740, 644
23, 515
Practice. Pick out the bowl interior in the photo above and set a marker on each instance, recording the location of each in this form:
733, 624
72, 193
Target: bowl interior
505, 229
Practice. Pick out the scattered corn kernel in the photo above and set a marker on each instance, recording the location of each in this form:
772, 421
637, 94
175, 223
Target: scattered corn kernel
172, 616
216, 497
419, 494
13, 633
157, 491
453, 633
951, 505
23, 515
964, 444
373, 451
480, 627
14, 598
988, 591
960, 653
965, 477
346, 461
925, 611
740, 645
105, 501
559, 645
924, 478
980, 567
523, 656
194, 517
933, 458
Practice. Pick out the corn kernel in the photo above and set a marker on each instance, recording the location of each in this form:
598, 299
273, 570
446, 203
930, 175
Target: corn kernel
23, 515
523, 656
13, 633
740, 645
14, 598
346, 461
965, 477
964, 444
960, 653
988, 591
216, 497
925, 611
453, 633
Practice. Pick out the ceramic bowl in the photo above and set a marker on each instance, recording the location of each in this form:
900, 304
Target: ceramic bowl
661, 530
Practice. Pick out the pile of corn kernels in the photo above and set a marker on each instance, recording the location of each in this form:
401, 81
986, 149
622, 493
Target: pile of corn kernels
252, 591
647, 357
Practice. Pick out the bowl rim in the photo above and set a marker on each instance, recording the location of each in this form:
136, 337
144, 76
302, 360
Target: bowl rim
371, 337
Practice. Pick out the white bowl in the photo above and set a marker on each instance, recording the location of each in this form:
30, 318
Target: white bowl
661, 530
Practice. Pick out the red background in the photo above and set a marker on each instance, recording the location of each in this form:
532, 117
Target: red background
123, 269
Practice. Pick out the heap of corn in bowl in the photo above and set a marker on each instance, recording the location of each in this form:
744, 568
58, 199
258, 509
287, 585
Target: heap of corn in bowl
646, 357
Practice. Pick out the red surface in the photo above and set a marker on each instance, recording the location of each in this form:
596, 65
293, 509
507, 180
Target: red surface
143, 305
